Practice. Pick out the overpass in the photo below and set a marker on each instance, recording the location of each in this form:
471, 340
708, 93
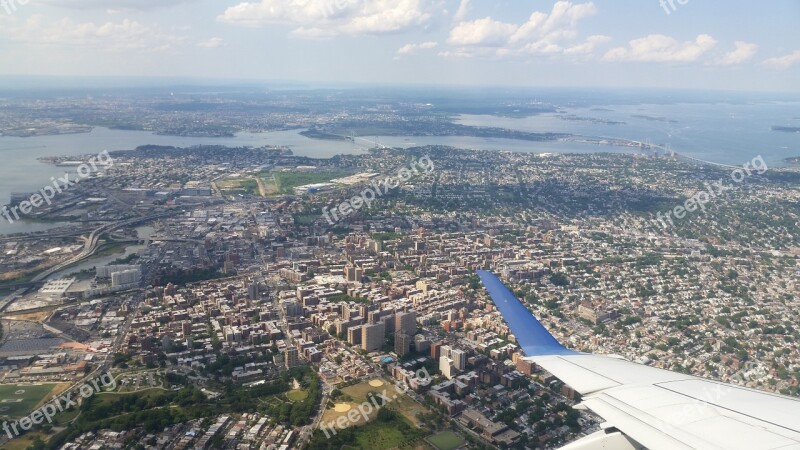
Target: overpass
92, 243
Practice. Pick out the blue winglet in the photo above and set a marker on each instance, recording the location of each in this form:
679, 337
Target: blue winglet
531, 335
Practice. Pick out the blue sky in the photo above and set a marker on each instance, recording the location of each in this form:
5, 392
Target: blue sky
701, 44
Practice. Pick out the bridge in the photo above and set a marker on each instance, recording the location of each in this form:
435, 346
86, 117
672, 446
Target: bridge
702, 161
669, 150
375, 143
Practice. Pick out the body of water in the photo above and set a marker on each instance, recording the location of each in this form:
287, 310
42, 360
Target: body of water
22, 172
98, 261
23, 226
725, 133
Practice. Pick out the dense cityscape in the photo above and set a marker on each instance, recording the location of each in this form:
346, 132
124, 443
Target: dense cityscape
399, 225
232, 291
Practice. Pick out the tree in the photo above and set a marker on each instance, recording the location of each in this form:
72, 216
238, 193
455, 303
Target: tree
215, 343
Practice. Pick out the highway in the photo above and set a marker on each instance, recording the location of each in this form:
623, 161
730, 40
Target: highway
91, 243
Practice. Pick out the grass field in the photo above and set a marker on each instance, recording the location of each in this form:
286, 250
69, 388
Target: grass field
17, 400
359, 391
285, 182
357, 394
245, 185
406, 406
106, 398
402, 403
446, 440
297, 395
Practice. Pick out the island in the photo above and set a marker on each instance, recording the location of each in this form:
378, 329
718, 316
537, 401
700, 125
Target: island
786, 129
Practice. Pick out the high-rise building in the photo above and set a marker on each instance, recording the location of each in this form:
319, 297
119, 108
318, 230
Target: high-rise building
436, 350
293, 308
291, 357
354, 335
388, 321
525, 366
125, 277
421, 344
376, 246
353, 273
459, 358
372, 336
252, 291
402, 344
346, 312
406, 322
106, 271
446, 367
364, 310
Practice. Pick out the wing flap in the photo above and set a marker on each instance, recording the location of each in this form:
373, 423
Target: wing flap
778, 411
591, 373
660, 418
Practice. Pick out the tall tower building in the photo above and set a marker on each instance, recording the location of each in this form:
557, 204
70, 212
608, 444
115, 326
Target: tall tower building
372, 336
459, 358
402, 344
291, 357
406, 322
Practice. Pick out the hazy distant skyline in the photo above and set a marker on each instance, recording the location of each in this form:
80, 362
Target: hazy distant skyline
604, 43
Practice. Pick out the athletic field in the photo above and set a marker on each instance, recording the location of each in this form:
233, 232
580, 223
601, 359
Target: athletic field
18, 400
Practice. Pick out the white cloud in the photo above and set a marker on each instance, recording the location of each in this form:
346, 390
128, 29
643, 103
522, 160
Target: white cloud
587, 47
661, 48
550, 33
744, 52
482, 32
784, 62
114, 5
327, 18
562, 20
410, 49
463, 11
214, 42
111, 36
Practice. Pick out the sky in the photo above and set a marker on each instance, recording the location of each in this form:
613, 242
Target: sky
684, 44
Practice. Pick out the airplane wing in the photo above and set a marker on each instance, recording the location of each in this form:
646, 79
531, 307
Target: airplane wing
647, 407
